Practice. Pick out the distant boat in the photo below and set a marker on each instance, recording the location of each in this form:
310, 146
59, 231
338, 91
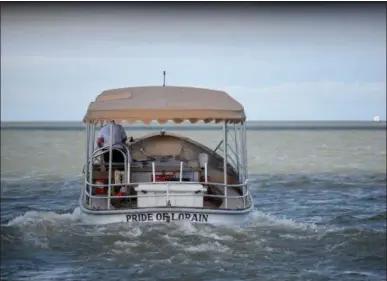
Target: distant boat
377, 118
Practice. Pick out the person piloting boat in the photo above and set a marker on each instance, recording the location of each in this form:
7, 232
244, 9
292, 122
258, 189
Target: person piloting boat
118, 142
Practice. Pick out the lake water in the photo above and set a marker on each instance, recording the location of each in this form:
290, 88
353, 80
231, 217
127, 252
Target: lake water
320, 198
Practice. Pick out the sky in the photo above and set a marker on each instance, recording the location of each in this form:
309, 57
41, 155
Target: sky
299, 62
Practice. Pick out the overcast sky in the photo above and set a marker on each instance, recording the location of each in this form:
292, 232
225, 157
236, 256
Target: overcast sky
300, 63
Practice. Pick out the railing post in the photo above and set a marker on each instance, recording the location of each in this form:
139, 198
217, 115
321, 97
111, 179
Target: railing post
244, 155
244, 196
245, 149
167, 195
205, 172
87, 150
237, 148
128, 179
153, 172
181, 171
242, 165
92, 141
91, 159
225, 161
110, 165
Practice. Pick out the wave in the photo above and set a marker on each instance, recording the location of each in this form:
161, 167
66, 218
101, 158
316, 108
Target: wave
265, 219
378, 217
268, 237
47, 275
316, 179
36, 217
349, 218
44, 228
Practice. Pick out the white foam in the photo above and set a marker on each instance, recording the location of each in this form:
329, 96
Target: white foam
264, 219
32, 217
269, 249
134, 231
205, 231
296, 237
50, 275
211, 246
10, 179
185, 226
171, 240
362, 273
126, 244
215, 236
334, 247
96, 231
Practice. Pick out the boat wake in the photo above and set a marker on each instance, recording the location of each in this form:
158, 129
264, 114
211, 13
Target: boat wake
40, 217
155, 246
51, 223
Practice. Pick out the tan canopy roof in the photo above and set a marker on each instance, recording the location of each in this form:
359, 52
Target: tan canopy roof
164, 103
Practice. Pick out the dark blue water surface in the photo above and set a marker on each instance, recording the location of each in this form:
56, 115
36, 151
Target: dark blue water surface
306, 227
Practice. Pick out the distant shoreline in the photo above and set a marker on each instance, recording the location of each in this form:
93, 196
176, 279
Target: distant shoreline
251, 125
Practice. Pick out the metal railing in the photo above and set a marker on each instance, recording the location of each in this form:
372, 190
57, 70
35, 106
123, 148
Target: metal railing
236, 160
167, 193
128, 184
98, 153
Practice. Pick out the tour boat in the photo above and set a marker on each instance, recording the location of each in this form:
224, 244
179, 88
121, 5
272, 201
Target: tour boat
167, 177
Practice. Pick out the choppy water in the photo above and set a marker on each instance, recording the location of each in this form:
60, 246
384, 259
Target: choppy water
320, 215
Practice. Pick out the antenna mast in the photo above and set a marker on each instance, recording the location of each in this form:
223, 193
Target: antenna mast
164, 78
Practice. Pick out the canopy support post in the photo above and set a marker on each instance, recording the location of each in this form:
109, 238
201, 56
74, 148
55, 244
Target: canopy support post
87, 169
225, 161
110, 165
236, 131
90, 163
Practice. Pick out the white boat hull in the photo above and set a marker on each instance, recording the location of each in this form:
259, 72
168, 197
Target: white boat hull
164, 215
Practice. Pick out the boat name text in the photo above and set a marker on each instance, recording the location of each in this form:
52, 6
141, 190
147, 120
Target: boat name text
166, 217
